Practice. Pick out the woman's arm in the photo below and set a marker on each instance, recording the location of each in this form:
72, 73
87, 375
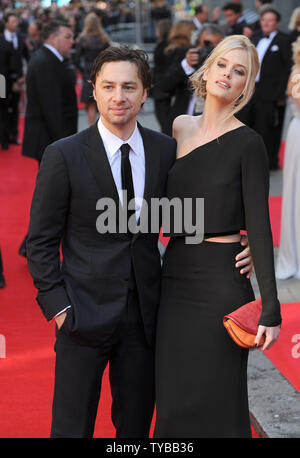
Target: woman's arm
255, 187
294, 85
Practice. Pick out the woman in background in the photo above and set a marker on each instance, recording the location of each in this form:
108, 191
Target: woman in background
288, 261
90, 43
294, 25
201, 374
179, 41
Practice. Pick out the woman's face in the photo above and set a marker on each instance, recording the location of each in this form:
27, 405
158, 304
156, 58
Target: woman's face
227, 76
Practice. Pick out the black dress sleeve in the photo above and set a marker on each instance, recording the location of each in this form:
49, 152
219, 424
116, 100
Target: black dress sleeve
255, 188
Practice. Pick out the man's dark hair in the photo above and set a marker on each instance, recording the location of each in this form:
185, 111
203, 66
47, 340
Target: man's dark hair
124, 54
270, 9
199, 9
266, 1
214, 29
236, 7
52, 27
8, 14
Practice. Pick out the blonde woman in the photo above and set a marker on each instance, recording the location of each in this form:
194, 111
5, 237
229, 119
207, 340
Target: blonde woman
294, 25
288, 261
201, 374
90, 43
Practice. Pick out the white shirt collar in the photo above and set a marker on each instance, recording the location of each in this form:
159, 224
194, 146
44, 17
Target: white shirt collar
112, 143
54, 50
271, 36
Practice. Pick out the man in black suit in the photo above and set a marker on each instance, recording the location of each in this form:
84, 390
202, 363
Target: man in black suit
265, 111
11, 22
7, 68
104, 296
176, 78
233, 13
51, 111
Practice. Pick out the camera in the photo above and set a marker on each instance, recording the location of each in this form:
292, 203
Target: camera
204, 52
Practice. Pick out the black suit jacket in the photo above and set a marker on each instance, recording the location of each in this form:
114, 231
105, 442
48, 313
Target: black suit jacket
175, 82
7, 61
20, 53
51, 111
96, 268
275, 67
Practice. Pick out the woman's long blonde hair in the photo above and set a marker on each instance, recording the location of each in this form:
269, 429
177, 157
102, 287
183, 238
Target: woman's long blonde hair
180, 35
295, 18
228, 44
92, 26
296, 53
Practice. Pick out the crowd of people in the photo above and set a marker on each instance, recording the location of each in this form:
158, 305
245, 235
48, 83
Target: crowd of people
244, 56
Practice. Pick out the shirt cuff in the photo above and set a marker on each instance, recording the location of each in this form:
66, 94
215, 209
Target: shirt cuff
62, 311
188, 70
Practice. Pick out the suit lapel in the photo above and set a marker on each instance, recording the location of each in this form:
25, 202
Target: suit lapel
152, 167
99, 165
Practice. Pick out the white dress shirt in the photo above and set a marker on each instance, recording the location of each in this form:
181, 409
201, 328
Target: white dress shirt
262, 47
12, 37
112, 145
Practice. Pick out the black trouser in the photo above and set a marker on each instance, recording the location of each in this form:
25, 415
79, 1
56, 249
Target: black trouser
78, 375
13, 100
3, 122
266, 118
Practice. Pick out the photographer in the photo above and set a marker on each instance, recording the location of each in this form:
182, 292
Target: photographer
175, 80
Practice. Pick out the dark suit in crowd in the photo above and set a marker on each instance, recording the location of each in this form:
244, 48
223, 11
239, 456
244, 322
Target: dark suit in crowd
111, 281
174, 85
51, 111
265, 111
8, 66
13, 93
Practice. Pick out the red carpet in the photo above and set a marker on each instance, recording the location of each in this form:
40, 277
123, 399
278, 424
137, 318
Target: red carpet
285, 354
27, 358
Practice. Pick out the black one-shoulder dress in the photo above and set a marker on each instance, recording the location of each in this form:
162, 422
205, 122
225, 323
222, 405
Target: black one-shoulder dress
201, 374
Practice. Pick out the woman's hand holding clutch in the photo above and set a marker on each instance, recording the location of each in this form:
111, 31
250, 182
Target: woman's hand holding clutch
271, 334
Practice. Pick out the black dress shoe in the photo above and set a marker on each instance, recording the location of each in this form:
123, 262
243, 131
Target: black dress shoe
4, 146
2, 280
22, 251
15, 141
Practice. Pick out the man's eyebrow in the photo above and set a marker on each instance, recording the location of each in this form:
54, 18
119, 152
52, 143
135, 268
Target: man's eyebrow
114, 82
241, 65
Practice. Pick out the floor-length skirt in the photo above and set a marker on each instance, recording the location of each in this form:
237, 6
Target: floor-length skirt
201, 374
288, 260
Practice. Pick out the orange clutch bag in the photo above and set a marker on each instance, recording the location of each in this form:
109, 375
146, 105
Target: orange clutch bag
242, 324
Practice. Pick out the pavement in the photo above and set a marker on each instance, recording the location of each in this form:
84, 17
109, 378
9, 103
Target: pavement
274, 402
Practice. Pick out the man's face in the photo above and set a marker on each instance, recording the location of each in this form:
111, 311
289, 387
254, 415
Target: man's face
119, 94
63, 41
207, 37
12, 24
231, 17
204, 16
268, 23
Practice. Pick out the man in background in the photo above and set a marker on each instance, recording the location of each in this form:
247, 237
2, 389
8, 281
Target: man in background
265, 111
51, 111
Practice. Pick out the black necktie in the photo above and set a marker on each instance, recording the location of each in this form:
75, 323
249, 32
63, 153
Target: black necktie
266, 36
127, 182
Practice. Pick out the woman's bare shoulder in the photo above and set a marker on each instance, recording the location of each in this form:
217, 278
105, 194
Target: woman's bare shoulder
181, 123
